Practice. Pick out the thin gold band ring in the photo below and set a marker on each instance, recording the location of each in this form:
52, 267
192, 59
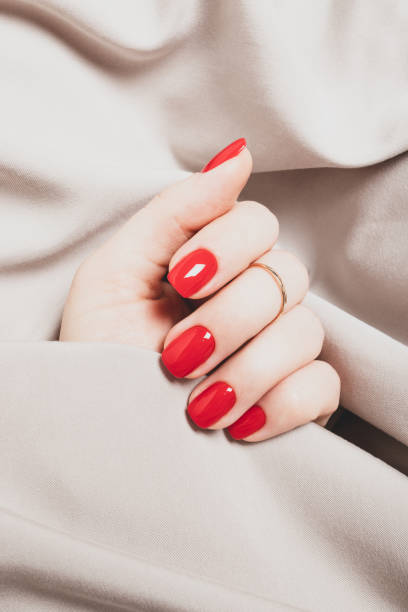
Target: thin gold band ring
278, 281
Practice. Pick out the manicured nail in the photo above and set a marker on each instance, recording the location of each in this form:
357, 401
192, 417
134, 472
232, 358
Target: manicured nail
189, 350
252, 420
193, 272
230, 151
215, 401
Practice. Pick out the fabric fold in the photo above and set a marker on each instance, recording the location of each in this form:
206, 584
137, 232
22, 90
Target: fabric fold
119, 39
381, 400
110, 499
95, 446
119, 581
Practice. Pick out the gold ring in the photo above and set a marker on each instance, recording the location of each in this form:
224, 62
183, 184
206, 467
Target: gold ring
278, 281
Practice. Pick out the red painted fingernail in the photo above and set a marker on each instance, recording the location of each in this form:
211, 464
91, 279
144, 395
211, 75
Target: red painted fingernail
190, 349
193, 272
252, 420
230, 151
215, 401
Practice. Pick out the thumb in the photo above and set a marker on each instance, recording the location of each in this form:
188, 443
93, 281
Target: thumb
144, 246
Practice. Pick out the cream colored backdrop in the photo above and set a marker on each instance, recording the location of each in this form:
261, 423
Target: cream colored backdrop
110, 501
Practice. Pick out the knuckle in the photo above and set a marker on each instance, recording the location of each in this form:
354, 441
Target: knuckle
261, 214
292, 269
311, 321
335, 382
298, 266
329, 372
333, 386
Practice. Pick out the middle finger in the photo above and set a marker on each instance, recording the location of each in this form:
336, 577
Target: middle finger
232, 316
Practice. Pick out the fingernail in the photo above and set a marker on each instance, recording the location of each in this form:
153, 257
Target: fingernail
193, 272
230, 151
252, 420
190, 349
215, 401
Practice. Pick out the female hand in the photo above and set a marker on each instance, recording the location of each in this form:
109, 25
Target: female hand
264, 378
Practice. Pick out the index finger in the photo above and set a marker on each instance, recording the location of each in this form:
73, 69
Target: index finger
222, 249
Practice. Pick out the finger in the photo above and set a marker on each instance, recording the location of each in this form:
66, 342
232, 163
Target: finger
287, 344
323, 420
221, 249
309, 394
141, 250
238, 312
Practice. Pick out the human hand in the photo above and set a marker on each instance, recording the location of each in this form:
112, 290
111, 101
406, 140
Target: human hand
263, 376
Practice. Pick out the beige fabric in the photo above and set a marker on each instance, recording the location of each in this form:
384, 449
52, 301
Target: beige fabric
110, 500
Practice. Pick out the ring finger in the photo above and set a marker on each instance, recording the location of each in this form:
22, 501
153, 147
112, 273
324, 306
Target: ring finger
283, 347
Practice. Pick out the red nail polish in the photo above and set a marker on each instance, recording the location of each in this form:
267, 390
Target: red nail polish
193, 272
252, 420
215, 401
190, 349
230, 151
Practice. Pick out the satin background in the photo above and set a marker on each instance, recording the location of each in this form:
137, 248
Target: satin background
109, 499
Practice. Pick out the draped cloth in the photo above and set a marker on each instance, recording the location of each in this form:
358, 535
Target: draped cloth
110, 500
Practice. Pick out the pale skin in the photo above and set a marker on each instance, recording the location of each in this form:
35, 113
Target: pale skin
119, 295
